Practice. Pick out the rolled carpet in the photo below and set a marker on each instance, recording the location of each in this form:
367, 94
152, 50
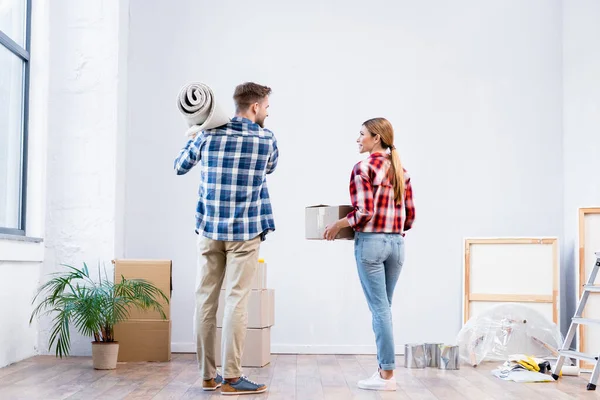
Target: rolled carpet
200, 109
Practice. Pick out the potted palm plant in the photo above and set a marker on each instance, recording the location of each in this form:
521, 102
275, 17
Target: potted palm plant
93, 307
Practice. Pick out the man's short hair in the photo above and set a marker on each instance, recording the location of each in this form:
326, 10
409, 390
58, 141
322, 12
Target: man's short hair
249, 93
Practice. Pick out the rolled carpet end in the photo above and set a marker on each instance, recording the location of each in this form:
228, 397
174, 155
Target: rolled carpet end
197, 103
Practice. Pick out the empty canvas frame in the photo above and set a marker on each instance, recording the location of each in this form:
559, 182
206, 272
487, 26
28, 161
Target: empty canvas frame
589, 243
511, 270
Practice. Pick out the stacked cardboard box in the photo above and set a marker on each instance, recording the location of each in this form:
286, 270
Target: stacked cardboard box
261, 317
145, 336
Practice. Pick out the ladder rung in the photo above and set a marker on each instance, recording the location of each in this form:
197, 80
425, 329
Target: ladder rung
586, 321
591, 288
578, 355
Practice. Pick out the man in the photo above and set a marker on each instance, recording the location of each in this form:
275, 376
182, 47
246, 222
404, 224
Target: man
232, 218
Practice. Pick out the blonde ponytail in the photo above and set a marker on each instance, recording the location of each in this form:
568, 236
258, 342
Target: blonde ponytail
397, 176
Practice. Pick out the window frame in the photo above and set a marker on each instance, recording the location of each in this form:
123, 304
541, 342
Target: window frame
24, 54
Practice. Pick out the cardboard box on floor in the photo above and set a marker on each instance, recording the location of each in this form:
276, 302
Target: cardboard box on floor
144, 340
318, 217
145, 336
257, 350
157, 272
261, 309
259, 282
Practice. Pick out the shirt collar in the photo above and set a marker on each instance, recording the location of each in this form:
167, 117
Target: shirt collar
377, 154
242, 119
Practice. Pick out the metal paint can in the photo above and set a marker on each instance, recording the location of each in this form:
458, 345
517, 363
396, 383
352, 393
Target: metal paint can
414, 355
449, 357
432, 354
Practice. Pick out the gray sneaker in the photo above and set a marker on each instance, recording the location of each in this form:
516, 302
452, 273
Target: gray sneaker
242, 386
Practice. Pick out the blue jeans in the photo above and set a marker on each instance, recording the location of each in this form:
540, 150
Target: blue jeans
379, 258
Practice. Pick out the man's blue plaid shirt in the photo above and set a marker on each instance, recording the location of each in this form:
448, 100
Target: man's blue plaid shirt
233, 203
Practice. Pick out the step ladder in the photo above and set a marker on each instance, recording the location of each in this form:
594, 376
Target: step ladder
577, 320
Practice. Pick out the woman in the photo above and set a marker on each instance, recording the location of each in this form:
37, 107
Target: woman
383, 210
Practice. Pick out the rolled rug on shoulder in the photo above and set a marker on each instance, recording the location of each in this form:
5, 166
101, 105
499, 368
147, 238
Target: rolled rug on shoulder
200, 109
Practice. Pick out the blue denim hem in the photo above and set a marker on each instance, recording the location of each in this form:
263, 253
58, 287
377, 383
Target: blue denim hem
387, 367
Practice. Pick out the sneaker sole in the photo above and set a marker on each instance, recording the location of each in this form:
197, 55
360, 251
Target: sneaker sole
244, 392
378, 389
212, 389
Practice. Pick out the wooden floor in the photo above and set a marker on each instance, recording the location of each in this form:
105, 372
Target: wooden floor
308, 377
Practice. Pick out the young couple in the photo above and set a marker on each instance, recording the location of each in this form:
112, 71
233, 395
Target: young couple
234, 215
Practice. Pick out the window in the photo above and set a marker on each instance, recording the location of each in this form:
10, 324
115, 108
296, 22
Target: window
14, 92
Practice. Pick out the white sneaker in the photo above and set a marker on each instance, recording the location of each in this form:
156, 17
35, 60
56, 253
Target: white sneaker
376, 382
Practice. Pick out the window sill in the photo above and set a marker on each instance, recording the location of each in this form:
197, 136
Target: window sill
21, 248
19, 238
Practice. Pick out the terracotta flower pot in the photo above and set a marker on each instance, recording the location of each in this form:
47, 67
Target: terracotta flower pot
104, 355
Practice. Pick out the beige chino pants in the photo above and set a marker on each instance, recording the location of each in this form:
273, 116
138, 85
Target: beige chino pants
240, 259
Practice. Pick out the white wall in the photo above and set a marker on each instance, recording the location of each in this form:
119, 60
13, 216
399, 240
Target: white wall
473, 90
83, 216
18, 339
581, 110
